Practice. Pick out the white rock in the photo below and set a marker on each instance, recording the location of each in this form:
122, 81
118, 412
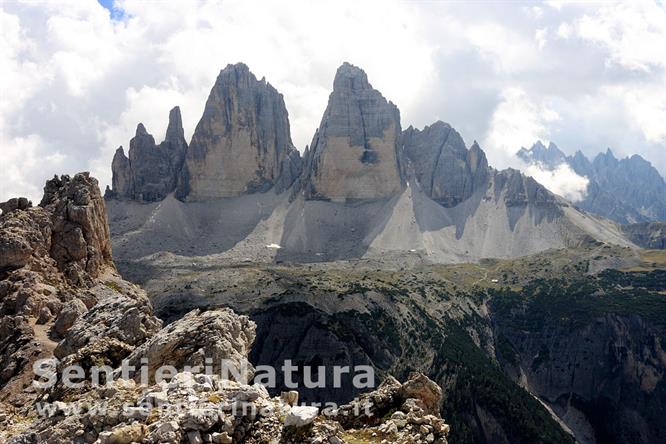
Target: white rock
301, 416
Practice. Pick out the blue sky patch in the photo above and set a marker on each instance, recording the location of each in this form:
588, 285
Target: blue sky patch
115, 12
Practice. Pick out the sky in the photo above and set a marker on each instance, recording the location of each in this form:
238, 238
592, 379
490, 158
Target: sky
77, 76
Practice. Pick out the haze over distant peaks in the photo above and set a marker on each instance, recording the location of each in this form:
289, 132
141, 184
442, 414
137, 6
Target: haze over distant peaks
628, 190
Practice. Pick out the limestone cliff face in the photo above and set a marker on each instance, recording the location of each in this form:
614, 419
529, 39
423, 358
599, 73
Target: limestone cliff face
242, 143
604, 378
446, 170
518, 190
650, 235
151, 171
121, 182
354, 154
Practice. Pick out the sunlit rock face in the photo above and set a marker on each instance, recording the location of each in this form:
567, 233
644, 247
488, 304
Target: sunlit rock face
354, 153
242, 143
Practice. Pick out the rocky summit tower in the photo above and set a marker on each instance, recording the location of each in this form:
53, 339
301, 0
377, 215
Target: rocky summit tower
151, 171
242, 143
354, 153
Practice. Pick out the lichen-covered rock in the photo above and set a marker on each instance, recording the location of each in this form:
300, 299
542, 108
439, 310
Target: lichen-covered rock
242, 143
51, 260
400, 413
80, 242
122, 312
354, 154
216, 334
68, 316
445, 169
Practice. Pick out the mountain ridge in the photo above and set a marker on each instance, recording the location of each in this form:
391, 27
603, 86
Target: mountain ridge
363, 188
628, 190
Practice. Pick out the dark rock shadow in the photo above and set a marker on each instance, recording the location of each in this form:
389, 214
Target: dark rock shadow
431, 216
317, 230
186, 228
307, 336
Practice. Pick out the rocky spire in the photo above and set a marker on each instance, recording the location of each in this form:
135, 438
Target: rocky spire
446, 170
122, 174
151, 171
174, 132
242, 143
79, 236
354, 153
550, 156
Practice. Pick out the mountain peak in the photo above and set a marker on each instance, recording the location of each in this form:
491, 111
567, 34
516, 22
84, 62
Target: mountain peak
354, 154
550, 156
242, 143
141, 130
350, 77
175, 127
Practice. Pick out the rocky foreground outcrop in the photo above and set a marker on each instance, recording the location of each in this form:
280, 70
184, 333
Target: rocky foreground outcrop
151, 171
354, 153
51, 260
64, 305
242, 143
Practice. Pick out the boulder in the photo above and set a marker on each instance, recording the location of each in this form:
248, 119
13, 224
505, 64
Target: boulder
123, 312
301, 416
428, 394
216, 335
68, 316
15, 203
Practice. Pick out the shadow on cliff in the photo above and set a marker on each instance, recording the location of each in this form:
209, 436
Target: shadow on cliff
318, 230
187, 228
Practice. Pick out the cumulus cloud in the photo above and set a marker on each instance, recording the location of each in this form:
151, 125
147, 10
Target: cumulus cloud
517, 121
77, 78
626, 30
561, 180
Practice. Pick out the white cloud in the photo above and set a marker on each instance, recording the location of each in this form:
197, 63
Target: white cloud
634, 33
75, 82
562, 180
645, 107
508, 50
541, 37
564, 30
517, 121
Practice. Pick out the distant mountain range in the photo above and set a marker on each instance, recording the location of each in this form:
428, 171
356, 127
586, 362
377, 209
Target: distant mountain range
363, 188
627, 191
